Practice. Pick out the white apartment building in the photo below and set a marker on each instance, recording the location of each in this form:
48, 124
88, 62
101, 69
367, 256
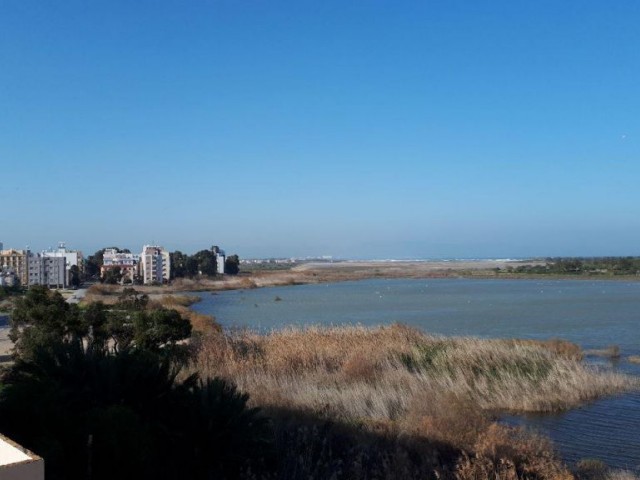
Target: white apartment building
48, 271
220, 259
72, 257
128, 263
155, 264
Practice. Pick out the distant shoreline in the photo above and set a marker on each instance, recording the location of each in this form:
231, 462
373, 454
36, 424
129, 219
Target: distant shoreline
332, 272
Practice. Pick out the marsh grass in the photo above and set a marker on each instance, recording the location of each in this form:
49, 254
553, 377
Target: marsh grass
201, 323
394, 381
375, 373
169, 301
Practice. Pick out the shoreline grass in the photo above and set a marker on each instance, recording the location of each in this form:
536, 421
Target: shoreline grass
375, 372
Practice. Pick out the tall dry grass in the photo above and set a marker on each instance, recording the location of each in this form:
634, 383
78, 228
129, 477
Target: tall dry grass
377, 373
421, 393
201, 323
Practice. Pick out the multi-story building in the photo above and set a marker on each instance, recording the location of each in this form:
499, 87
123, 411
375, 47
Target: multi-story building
155, 263
47, 271
128, 263
17, 261
8, 278
220, 259
72, 258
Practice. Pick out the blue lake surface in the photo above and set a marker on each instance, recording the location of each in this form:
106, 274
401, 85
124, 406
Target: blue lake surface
593, 314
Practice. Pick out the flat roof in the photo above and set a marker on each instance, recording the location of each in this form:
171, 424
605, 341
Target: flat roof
10, 453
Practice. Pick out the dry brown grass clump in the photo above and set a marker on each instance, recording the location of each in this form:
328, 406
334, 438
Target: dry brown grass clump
621, 475
634, 358
104, 289
107, 294
557, 346
201, 323
170, 301
509, 453
612, 351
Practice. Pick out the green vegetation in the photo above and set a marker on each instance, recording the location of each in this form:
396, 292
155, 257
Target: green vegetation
232, 265
6, 292
203, 262
200, 263
42, 319
98, 392
441, 358
74, 276
604, 266
183, 265
95, 261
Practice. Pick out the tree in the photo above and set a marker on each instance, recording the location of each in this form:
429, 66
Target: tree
94, 262
112, 276
74, 276
95, 392
94, 415
42, 318
178, 264
232, 265
202, 262
206, 262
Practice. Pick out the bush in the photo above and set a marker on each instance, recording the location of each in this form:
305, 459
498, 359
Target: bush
94, 391
126, 416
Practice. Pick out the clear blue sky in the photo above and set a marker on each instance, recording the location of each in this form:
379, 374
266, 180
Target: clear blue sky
350, 128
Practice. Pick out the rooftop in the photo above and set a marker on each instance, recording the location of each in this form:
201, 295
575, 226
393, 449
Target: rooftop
11, 453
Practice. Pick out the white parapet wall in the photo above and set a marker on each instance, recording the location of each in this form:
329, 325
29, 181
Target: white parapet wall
17, 463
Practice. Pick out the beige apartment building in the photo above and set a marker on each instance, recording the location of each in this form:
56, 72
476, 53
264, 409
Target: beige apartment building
18, 261
155, 264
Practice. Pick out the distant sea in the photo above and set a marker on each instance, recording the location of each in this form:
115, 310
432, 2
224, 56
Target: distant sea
593, 314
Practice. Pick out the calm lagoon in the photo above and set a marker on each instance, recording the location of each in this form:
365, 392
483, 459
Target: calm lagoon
593, 314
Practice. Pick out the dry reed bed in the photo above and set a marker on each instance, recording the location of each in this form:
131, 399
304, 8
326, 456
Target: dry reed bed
432, 399
380, 373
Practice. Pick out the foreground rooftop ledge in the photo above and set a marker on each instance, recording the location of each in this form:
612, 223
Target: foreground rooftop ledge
17, 463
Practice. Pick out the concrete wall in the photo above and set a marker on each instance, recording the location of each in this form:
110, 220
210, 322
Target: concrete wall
28, 470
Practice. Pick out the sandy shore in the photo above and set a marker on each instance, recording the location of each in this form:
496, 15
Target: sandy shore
338, 272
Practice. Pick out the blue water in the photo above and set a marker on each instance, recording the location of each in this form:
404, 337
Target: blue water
593, 314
